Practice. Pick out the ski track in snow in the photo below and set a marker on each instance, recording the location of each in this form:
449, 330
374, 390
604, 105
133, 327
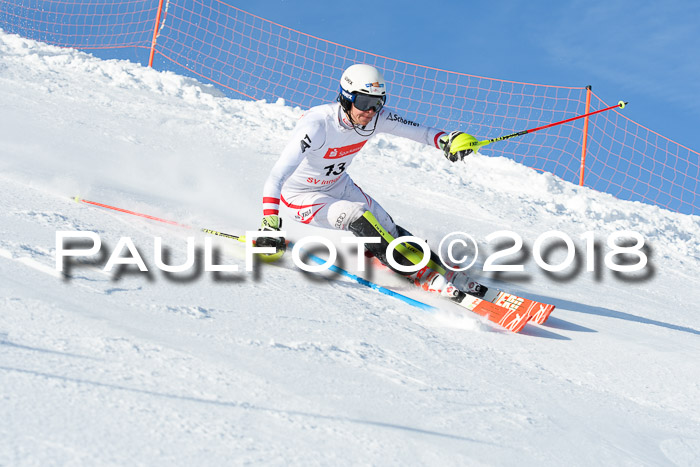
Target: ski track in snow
278, 367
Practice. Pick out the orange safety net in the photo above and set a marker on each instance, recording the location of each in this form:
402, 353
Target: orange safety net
254, 58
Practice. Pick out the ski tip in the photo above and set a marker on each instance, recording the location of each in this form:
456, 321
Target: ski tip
540, 316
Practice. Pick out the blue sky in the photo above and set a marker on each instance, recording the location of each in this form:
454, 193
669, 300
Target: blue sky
645, 52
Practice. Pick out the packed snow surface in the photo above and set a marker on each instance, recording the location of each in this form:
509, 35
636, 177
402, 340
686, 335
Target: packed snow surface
277, 366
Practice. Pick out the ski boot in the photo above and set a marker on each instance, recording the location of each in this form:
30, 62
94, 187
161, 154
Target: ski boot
433, 281
463, 282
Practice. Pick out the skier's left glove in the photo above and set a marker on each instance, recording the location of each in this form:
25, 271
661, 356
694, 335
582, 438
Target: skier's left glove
457, 145
272, 223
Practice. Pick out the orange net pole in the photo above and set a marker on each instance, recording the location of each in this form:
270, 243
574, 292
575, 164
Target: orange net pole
155, 34
585, 135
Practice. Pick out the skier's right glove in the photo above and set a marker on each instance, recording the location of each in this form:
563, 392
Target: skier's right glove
271, 223
457, 145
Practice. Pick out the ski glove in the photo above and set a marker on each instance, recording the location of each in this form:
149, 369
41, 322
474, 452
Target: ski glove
457, 145
271, 223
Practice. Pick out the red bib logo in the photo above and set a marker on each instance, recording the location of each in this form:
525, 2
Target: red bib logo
337, 153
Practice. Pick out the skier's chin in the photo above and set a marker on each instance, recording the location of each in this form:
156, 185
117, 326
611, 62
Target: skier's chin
363, 119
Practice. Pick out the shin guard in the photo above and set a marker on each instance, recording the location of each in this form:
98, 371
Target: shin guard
405, 254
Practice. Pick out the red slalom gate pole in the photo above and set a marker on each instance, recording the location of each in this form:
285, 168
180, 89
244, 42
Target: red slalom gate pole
480, 144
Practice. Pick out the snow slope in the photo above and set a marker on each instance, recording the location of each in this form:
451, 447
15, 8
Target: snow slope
280, 367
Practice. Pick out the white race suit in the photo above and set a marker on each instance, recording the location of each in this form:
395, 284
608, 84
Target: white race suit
311, 178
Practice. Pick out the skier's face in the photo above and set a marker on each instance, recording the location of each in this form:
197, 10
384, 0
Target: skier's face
362, 117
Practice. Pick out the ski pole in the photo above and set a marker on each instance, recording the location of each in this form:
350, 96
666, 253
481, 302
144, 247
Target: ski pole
271, 257
239, 238
78, 199
480, 144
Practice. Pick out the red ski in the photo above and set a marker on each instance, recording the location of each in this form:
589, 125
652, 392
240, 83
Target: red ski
507, 310
511, 318
537, 312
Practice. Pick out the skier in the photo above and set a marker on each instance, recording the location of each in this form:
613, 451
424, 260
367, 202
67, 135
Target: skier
311, 176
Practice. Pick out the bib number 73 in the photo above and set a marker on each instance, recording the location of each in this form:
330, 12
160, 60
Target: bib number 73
331, 170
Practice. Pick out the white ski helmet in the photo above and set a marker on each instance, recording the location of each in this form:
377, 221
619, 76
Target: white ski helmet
362, 80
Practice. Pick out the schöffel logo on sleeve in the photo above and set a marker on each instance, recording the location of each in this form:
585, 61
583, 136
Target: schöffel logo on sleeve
396, 118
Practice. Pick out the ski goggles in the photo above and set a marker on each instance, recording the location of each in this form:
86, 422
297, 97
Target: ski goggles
365, 102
